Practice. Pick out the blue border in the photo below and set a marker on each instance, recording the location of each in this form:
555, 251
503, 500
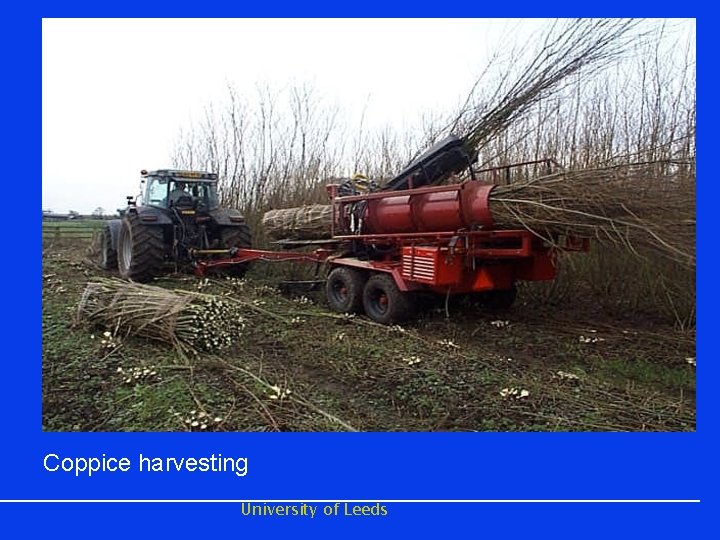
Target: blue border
387, 466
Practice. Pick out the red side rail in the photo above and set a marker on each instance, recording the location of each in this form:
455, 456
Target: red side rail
487, 243
483, 244
242, 255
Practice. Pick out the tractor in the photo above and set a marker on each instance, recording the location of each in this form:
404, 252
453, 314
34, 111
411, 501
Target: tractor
175, 222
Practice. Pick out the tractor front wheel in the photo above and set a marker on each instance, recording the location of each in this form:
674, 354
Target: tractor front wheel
384, 302
140, 249
104, 254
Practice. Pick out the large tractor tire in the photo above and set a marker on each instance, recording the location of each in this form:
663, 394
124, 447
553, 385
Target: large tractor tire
344, 290
140, 249
384, 302
239, 237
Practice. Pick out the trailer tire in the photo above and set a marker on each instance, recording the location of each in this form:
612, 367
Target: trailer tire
140, 249
239, 237
344, 290
384, 302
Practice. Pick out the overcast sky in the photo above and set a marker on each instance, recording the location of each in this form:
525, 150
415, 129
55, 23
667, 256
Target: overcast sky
116, 92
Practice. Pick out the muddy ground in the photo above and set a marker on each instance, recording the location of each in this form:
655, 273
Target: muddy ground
300, 367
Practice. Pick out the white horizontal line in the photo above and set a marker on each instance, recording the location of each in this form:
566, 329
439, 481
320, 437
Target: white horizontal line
386, 501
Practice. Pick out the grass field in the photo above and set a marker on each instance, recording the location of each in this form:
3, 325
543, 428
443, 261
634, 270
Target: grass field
80, 229
567, 367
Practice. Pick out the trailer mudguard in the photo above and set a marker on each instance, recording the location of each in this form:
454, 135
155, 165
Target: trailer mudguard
150, 215
227, 217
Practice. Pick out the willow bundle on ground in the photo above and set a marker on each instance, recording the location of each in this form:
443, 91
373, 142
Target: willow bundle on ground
189, 321
643, 208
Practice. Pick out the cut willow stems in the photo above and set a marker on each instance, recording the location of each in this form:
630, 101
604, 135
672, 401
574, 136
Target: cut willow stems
641, 208
188, 321
645, 208
570, 50
303, 223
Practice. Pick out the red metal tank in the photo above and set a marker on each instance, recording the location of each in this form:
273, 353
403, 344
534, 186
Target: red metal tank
434, 209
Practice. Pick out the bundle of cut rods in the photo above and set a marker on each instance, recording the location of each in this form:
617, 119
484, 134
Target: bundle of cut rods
644, 208
189, 321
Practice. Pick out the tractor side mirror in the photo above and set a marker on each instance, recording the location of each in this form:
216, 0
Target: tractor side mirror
130, 200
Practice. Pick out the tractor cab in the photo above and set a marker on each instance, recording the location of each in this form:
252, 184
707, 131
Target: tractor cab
168, 189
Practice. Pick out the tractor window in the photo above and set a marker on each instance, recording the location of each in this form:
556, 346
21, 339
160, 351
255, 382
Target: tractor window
212, 197
157, 190
206, 193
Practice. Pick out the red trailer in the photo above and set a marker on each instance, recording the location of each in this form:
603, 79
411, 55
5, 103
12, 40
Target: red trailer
390, 245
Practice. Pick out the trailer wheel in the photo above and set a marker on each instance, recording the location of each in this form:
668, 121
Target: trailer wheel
384, 302
498, 300
344, 290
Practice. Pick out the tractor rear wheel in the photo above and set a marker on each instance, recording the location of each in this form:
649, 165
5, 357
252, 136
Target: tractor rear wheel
344, 290
140, 249
384, 302
107, 256
239, 237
